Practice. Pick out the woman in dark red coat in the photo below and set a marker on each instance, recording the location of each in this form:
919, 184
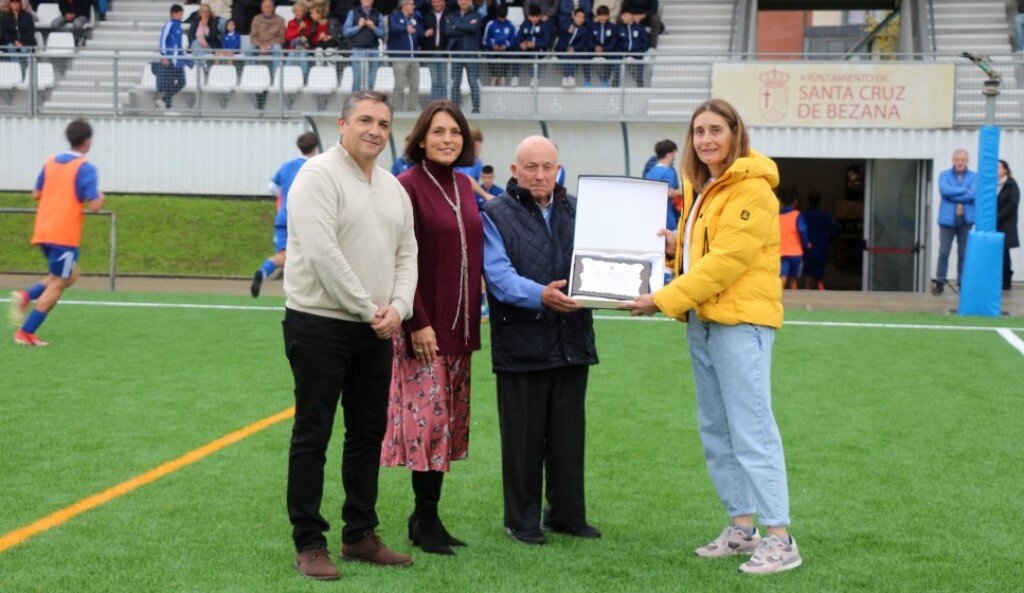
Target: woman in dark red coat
428, 414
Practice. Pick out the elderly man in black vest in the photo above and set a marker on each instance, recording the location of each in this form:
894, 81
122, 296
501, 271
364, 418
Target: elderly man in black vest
542, 346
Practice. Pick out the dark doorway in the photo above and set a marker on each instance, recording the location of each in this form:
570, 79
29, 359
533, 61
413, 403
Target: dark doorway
841, 185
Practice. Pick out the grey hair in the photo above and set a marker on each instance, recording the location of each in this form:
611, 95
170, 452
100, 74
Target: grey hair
402, 3
363, 95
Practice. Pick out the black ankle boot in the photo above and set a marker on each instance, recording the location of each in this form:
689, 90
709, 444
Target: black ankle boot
427, 532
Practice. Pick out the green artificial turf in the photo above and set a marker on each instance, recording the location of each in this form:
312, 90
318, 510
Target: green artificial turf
903, 449
155, 235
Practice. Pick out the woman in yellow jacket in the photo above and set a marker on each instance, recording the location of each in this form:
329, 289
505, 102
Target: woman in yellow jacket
726, 256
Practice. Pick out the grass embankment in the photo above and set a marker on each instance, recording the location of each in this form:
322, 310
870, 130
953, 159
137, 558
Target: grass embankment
159, 235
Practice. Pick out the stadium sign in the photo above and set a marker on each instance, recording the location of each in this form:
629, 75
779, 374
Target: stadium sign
839, 95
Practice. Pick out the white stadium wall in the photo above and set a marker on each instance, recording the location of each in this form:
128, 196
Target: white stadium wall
237, 157
157, 156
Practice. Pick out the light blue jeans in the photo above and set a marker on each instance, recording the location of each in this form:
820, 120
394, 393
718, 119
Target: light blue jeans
360, 57
732, 369
960, 231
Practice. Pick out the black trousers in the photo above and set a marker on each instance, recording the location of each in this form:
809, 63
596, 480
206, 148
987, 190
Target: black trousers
543, 423
1007, 270
334, 359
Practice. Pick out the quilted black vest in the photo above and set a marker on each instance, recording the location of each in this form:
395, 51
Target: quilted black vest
365, 38
530, 339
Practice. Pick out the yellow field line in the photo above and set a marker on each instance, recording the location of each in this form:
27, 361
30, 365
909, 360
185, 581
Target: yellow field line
21, 535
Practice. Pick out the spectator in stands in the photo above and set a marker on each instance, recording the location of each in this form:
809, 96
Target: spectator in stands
645, 13
956, 216
1018, 27
170, 70
326, 41
266, 35
17, 29
614, 8
405, 28
603, 40
575, 39
309, 146
500, 37
820, 233
298, 36
231, 43
534, 38
487, 182
222, 10
244, 11
792, 239
435, 41
364, 28
1006, 218
203, 34
632, 38
26, 6
664, 170
463, 29
567, 13
74, 14
548, 10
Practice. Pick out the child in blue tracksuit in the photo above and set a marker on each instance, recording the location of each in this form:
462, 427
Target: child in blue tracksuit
500, 37
575, 39
230, 42
603, 40
533, 39
632, 38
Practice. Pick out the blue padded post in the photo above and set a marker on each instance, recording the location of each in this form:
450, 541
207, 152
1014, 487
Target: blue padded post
981, 287
986, 193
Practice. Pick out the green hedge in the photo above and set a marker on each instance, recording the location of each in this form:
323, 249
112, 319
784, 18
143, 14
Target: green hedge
155, 235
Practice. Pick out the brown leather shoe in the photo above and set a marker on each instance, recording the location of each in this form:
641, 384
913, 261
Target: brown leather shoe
371, 549
316, 564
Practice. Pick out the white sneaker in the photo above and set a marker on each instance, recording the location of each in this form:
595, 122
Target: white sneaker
571, 81
730, 542
565, 81
773, 555
160, 104
514, 81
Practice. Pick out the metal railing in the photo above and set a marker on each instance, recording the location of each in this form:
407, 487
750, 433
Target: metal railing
551, 87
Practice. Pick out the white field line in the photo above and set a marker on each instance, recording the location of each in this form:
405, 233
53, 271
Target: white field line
1012, 338
1005, 332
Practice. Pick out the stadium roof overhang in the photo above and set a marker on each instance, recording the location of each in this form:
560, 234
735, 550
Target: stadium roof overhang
828, 4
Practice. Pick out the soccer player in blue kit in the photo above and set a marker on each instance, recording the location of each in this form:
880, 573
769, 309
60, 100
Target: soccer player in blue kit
309, 146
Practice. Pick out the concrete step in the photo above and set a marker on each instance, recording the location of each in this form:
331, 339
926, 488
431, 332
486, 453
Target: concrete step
83, 98
129, 26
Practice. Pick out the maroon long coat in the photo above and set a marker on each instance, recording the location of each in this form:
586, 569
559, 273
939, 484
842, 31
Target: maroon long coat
437, 233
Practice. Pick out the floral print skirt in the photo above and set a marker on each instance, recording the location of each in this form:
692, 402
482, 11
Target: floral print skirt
428, 411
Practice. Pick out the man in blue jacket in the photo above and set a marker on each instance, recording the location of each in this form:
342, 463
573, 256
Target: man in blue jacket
632, 38
956, 216
500, 37
574, 40
463, 29
170, 70
405, 28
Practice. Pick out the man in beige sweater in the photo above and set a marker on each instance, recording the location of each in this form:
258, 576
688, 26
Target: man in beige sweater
266, 34
350, 281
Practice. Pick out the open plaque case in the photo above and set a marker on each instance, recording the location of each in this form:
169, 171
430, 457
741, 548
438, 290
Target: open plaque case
617, 253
